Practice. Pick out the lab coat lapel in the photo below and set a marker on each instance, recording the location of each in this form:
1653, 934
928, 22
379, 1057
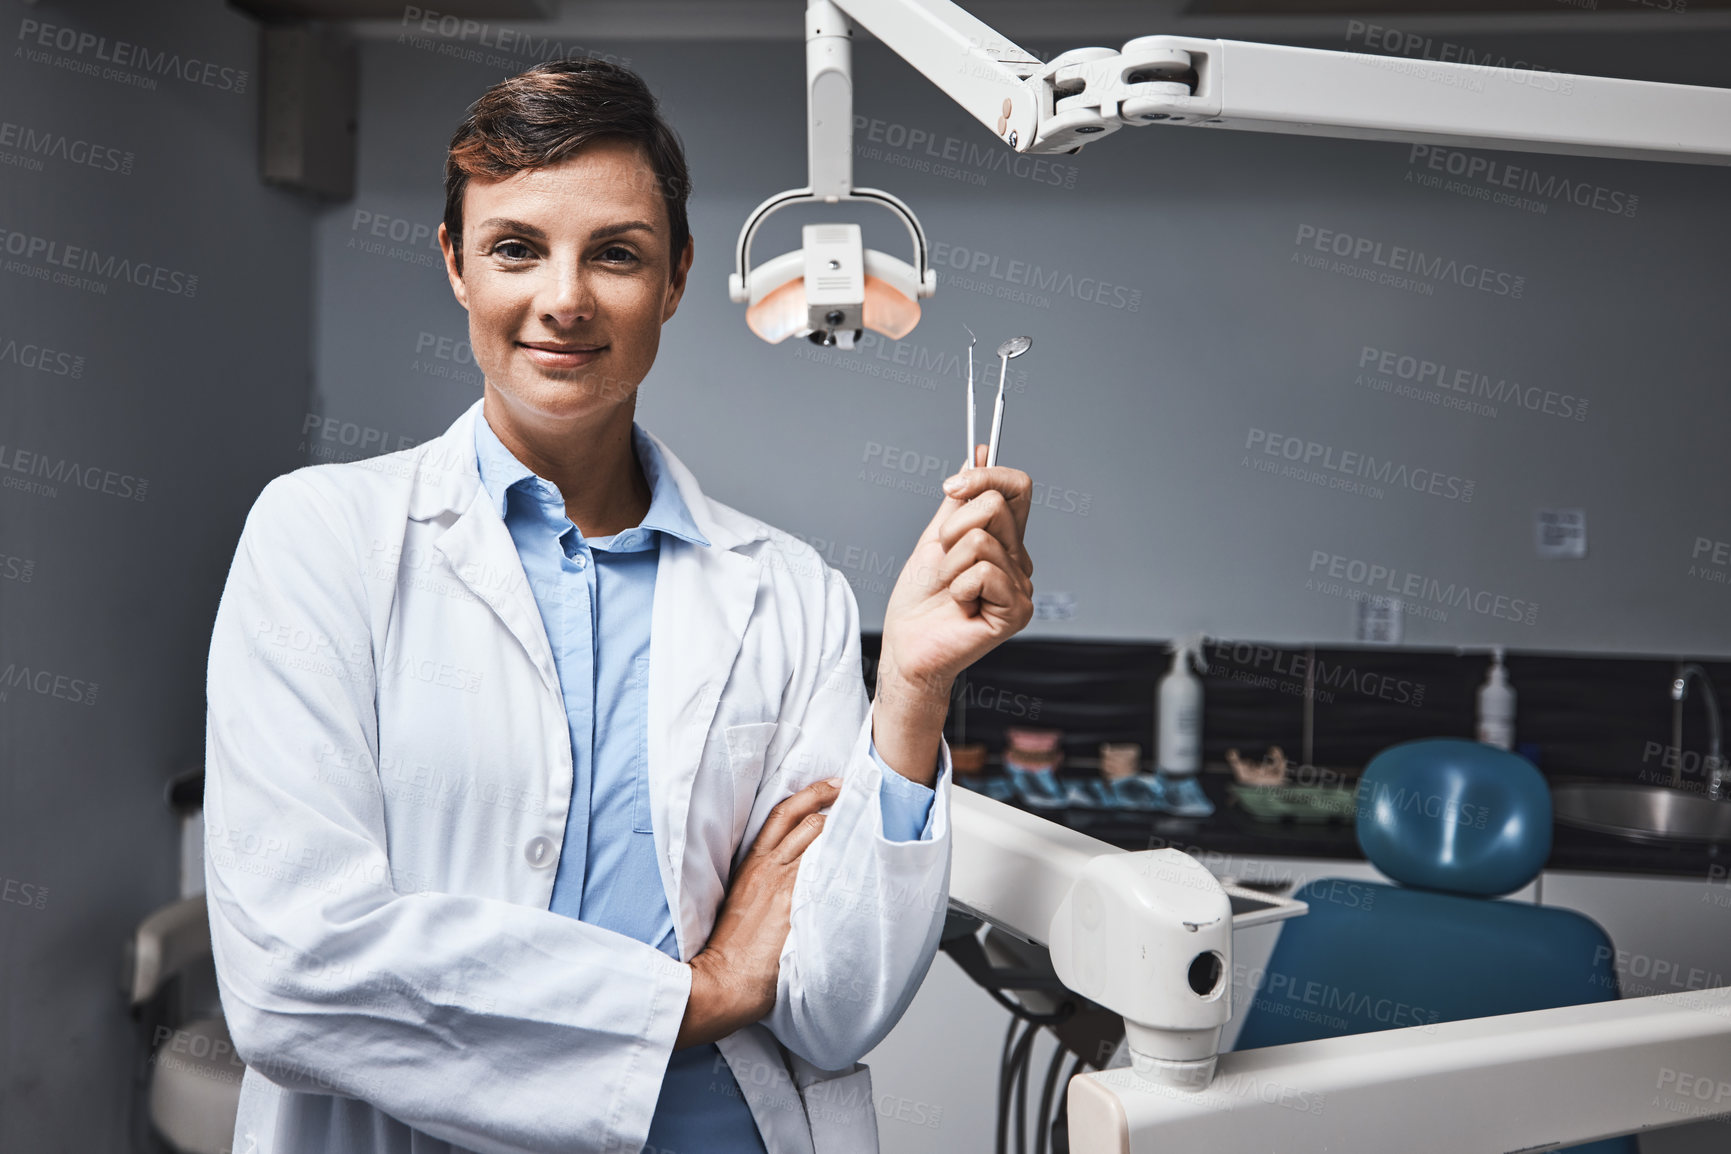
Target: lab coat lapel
703, 599
485, 559
477, 544
704, 595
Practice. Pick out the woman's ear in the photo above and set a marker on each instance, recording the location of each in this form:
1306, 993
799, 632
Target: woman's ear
453, 270
676, 277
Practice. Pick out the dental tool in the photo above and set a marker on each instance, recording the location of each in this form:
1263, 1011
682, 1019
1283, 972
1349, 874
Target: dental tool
1014, 347
968, 457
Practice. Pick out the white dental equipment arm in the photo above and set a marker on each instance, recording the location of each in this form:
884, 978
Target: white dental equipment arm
1148, 934
1086, 93
1180, 80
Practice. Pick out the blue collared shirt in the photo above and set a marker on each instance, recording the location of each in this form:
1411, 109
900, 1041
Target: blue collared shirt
596, 596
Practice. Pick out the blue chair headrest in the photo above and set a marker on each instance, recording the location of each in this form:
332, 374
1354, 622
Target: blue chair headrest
1454, 815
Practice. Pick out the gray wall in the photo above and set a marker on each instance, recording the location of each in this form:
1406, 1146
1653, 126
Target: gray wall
174, 408
1147, 404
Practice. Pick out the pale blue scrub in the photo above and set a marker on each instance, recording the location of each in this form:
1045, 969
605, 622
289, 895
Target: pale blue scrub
596, 595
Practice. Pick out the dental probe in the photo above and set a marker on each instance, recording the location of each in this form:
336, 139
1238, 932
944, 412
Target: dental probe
968, 459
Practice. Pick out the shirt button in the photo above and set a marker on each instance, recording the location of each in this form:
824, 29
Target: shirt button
539, 852
580, 561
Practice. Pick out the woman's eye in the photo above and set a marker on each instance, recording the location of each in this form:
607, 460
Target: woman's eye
619, 255
512, 250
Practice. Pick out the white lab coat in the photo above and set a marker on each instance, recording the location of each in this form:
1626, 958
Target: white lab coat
387, 784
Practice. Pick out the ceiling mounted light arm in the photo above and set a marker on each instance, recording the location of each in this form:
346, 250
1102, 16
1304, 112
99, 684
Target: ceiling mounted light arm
1187, 81
797, 293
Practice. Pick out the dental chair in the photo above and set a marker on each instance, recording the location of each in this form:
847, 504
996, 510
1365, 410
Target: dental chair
1455, 824
188, 1074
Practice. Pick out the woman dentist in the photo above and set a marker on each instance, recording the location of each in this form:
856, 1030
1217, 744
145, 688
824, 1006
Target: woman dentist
546, 809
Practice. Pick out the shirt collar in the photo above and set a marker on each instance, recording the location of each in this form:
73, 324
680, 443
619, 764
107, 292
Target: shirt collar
501, 472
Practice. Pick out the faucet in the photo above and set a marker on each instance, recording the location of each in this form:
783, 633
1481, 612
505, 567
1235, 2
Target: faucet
1714, 763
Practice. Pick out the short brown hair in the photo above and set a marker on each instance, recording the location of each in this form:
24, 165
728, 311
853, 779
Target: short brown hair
540, 117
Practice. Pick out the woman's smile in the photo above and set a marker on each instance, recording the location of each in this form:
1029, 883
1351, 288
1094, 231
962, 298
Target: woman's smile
561, 354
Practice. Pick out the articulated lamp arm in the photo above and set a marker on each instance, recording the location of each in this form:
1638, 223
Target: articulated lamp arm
1148, 934
1179, 80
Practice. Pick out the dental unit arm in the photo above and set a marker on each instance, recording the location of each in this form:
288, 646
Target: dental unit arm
1081, 95
1147, 935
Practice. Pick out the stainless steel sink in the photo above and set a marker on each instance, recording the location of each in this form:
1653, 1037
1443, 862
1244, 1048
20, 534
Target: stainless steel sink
1643, 812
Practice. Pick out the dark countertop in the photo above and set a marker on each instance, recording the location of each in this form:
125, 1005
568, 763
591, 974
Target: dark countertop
1230, 831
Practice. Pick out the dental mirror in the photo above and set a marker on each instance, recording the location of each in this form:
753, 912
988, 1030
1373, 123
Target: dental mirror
1014, 347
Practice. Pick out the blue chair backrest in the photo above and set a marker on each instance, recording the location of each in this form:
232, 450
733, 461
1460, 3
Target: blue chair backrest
1456, 821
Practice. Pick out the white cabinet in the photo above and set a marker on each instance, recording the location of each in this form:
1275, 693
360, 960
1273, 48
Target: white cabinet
1671, 934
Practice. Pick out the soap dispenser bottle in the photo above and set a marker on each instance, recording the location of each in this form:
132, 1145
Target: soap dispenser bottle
1497, 705
1179, 736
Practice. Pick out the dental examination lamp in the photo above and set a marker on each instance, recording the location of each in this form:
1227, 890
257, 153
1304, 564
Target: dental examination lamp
832, 289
